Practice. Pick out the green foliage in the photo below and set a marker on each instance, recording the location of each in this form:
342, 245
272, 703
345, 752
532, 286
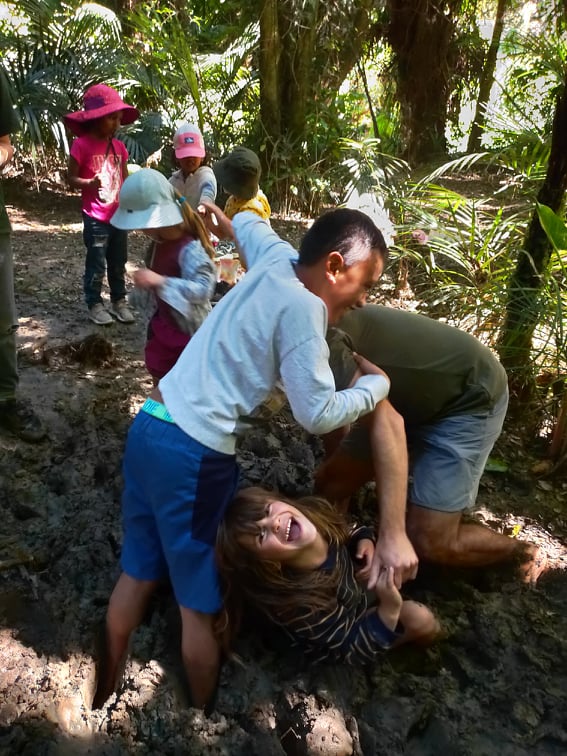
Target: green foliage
460, 251
52, 53
217, 92
554, 227
466, 255
552, 332
527, 93
370, 168
162, 46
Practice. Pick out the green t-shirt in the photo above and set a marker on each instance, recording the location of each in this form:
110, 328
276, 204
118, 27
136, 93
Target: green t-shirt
8, 125
435, 370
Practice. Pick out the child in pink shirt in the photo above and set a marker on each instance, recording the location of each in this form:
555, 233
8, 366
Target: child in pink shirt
98, 167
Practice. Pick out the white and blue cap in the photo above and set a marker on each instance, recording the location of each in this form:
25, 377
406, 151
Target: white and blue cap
147, 200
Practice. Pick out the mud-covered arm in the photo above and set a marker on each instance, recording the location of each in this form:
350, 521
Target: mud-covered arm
390, 464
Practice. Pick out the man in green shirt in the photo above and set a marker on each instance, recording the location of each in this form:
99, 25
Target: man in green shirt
452, 394
15, 416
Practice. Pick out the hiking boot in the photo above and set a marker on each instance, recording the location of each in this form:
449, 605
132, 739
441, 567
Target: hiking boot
121, 311
21, 421
99, 315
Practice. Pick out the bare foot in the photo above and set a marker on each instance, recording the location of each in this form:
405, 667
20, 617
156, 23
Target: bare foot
533, 564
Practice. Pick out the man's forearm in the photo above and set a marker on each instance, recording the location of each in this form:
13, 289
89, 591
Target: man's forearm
390, 462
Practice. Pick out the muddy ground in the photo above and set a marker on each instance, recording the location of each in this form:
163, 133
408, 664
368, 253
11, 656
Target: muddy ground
496, 685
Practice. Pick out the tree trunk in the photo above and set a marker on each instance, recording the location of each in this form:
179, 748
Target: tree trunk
420, 33
487, 79
523, 306
298, 31
303, 61
270, 46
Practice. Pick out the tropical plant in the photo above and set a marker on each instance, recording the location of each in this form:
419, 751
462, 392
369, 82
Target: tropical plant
52, 53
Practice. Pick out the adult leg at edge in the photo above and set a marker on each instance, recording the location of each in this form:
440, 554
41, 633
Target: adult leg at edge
443, 538
126, 609
201, 655
8, 322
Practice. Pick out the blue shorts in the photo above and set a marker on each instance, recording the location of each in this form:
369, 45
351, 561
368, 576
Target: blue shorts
175, 493
446, 458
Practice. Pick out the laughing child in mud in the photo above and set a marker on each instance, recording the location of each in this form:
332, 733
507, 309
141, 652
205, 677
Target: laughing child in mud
300, 566
98, 167
180, 276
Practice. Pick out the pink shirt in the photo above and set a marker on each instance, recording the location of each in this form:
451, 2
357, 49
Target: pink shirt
103, 158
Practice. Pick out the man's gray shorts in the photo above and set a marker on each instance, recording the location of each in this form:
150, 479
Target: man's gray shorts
447, 458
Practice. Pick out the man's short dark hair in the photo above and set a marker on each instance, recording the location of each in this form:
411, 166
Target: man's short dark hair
352, 233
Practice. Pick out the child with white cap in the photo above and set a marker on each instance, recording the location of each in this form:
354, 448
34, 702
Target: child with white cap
194, 181
180, 275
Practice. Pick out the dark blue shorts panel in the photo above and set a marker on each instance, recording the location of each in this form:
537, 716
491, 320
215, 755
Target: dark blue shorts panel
175, 493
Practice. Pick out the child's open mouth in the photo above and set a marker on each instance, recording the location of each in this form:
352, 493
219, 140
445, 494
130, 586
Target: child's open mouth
293, 530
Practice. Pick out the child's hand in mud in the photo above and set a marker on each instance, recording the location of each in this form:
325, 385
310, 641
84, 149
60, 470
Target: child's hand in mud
148, 279
363, 557
389, 598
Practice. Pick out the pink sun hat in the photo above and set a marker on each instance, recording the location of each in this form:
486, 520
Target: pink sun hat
98, 101
188, 141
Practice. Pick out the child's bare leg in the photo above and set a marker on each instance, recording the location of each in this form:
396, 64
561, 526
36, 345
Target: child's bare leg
201, 655
126, 609
420, 624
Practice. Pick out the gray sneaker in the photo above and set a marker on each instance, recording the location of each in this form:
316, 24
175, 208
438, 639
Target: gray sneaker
99, 315
121, 311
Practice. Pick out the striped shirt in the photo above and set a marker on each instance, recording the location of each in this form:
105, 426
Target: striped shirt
350, 632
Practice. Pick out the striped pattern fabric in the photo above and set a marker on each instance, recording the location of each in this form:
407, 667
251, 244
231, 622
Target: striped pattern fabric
351, 632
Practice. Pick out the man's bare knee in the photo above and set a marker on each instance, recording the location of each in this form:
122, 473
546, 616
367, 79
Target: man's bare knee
434, 535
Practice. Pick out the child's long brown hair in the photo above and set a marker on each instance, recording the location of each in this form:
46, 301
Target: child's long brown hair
277, 591
194, 224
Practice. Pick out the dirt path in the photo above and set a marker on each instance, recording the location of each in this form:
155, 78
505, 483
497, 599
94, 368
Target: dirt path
497, 685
